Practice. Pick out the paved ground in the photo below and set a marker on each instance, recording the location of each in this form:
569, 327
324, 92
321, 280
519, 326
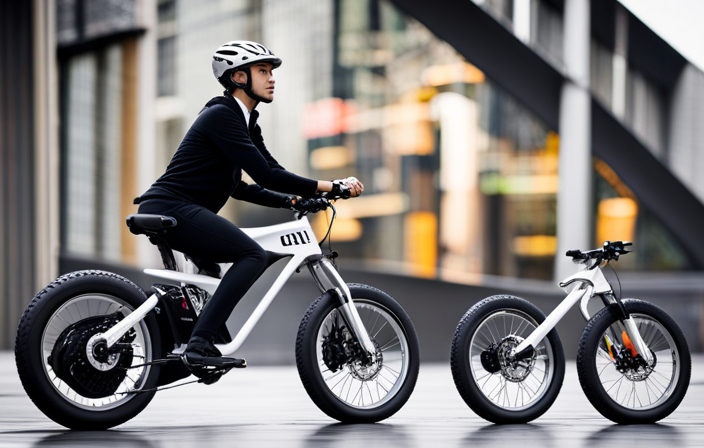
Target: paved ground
267, 406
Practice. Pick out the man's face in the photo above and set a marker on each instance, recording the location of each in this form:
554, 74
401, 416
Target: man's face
263, 80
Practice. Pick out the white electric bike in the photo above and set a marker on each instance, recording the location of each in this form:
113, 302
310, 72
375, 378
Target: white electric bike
633, 361
92, 349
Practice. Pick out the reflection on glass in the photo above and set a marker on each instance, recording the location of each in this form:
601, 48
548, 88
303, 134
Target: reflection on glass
459, 178
620, 217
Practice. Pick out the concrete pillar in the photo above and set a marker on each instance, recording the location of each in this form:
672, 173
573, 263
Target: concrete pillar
146, 161
46, 144
620, 63
574, 198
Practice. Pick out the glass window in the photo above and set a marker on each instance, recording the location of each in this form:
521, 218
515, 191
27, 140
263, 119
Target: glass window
546, 31
621, 217
80, 155
459, 178
166, 66
92, 154
166, 11
601, 73
645, 111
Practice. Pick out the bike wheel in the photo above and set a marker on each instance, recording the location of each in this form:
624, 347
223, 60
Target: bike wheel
331, 367
62, 375
620, 384
508, 392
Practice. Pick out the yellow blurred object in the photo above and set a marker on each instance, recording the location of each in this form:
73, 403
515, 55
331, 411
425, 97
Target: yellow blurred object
344, 229
535, 245
552, 143
409, 127
421, 242
616, 219
366, 206
440, 75
612, 179
609, 345
331, 157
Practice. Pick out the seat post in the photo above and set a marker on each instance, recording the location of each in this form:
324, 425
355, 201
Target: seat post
155, 227
167, 255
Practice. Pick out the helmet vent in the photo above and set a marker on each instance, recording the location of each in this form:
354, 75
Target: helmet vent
244, 58
222, 60
227, 52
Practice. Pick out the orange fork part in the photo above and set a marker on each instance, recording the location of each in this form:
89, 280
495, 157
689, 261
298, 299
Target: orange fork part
629, 345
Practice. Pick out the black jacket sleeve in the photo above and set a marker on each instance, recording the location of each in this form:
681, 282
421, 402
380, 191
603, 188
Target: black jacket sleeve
233, 140
258, 195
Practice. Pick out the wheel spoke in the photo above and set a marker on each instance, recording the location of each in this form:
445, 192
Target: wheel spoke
372, 384
529, 376
395, 341
80, 308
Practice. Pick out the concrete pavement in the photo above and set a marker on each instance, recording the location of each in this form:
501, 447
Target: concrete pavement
267, 407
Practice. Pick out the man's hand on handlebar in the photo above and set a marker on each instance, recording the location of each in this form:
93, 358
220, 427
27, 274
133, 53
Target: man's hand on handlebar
346, 188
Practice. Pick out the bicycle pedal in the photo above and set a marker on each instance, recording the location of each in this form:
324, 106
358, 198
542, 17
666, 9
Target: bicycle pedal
212, 363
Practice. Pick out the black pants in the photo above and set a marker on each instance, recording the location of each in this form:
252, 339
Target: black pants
202, 234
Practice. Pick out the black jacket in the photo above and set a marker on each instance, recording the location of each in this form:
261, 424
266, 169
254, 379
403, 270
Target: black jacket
207, 167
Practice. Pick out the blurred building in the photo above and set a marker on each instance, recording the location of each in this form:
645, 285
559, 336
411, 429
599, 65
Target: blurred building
491, 135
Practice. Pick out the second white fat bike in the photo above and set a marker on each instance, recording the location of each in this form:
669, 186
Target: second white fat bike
633, 361
92, 348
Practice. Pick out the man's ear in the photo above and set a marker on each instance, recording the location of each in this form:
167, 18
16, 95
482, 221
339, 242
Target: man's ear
239, 77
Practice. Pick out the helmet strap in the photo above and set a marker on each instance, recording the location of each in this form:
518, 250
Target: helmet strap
248, 87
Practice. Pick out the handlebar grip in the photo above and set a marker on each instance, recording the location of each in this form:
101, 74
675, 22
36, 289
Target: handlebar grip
574, 253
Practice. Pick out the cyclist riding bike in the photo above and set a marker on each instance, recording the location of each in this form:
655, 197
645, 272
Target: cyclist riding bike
206, 170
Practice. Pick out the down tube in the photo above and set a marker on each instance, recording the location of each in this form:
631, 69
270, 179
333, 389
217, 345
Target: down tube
549, 323
280, 281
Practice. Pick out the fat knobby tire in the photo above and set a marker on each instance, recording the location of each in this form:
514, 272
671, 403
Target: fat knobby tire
589, 377
461, 370
307, 363
28, 349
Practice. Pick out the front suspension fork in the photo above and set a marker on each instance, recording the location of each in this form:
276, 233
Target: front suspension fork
328, 279
629, 326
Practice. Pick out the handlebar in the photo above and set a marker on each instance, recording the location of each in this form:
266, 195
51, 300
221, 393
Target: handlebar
303, 206
610, 251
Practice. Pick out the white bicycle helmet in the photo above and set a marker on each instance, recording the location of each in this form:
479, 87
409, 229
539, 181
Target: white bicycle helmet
240, 55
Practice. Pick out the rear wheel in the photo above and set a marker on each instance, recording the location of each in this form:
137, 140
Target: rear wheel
618, 381
71, 380
334, 371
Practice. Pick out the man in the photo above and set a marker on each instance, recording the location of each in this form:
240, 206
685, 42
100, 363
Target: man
206, 170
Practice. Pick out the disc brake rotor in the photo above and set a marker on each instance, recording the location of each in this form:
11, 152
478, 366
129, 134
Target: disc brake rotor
366, 371
91, 369
511, 369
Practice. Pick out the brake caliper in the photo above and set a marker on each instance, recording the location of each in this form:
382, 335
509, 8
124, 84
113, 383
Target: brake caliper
336, 347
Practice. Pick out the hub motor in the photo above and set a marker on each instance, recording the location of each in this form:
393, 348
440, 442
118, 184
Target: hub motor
498, 358
86, 364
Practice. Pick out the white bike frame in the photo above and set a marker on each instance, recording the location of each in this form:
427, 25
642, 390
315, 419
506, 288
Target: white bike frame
294, 240
585, 285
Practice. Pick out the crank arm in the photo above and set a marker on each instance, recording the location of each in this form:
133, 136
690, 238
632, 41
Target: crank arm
169, 358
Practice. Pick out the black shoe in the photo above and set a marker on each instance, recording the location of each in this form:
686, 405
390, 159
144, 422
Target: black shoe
201, 354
